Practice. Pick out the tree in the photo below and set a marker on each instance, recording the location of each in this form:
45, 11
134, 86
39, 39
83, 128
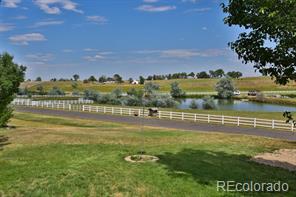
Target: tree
270, 40
193, 104
56, 91
234, 74
176, 91
219, 73
142, 80
202, 75
102, 79
38, 79
208, 103
225, 88
150, 89
40, 89
76, 77
130, 80
92, 79
117, 78
191, 74
11, 75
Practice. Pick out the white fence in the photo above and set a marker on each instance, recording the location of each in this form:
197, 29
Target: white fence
29, 102
208, 118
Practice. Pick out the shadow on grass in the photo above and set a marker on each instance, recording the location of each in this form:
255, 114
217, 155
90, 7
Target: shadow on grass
207, 167
3, 141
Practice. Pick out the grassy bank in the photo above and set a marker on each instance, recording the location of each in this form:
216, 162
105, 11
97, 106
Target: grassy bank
272, 100
50, 156
189, 85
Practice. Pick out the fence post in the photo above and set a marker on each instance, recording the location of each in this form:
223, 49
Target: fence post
97, 109
255, 122
130, 111
120, 111
272, 124
159, 115
222, 119
208, 118
171, 115
237, 121
182, 115
139, 112
104, 109
89, 108
195, 118
63, 105
70, 107
292, 127
82, 107
112, 110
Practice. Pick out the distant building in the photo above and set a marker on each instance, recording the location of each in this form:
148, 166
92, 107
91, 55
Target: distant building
135, 82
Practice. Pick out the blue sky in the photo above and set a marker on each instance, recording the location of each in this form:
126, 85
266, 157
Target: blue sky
58, 38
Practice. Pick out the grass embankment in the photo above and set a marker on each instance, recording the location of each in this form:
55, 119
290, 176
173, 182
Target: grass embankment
273, 100
188, 85
54, 98
50, 156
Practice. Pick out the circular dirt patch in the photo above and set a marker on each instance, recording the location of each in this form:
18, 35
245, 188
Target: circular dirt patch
141, 158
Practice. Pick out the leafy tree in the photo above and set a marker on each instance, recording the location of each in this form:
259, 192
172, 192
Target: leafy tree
217, 73
225, 88
142, 80
193, 105
117, 78
130, 80
53, 79
117, 93
92, 79
176, 91
40, 90
135, 93
208, 103
192, 74
92, 95
102, 79
269, 41
234, 74
202, 75
11, 75
150, 89
76, 77
38, 79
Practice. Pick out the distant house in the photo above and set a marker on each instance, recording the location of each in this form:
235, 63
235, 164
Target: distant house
135, 82
109, 82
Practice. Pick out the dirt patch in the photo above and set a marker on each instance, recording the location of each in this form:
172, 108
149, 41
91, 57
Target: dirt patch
283, 158
141, 158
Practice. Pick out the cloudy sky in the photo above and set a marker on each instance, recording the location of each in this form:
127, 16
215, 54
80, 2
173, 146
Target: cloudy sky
58, 38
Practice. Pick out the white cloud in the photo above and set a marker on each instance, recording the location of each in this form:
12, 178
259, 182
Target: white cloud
54, 6
150, 1
10, 3
6, 27
24, 39
39, 58
151, 8
198, 10
21, 17
185, 53
47, 23
89, 49
204, 28
98, 56
100, 20
190, 1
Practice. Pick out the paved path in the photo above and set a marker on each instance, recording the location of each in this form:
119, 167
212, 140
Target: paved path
182, 125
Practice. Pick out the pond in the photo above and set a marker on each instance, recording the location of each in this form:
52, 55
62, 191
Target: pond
238, 105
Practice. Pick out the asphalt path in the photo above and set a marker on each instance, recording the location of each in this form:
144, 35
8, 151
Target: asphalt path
180, 125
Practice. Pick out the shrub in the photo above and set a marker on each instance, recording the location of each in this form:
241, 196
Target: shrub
56, 91
208, 103
225, 88
193, 105
176, 91
92, 95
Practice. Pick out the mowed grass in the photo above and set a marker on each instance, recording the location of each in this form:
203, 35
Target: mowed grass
51, 156
189, 85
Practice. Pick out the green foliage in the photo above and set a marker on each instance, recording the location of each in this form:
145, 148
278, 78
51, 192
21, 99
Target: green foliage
56, 91
234, 74
92, 95
150, 89
117, 93
117, 78
38, 79
142, 80
102, 79
136, 93
203, 75
92, 79
225, 88
217, 73
208, 103
176, 91
11, 75
193, 105
76, 77
270, 38
74, 85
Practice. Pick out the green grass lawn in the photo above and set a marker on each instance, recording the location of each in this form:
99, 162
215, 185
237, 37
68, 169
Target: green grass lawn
50, 156
189, 85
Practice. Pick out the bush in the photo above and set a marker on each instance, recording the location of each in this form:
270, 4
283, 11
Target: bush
208, 103
176, 91
117, 93
56, 91
132, 100
136, 93
161, 101
193, 105
225, 88
92, 95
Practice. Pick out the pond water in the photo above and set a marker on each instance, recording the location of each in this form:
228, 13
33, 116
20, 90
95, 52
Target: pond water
238, 105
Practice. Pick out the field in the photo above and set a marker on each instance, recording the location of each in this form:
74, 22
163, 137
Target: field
50, 156
189, 85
